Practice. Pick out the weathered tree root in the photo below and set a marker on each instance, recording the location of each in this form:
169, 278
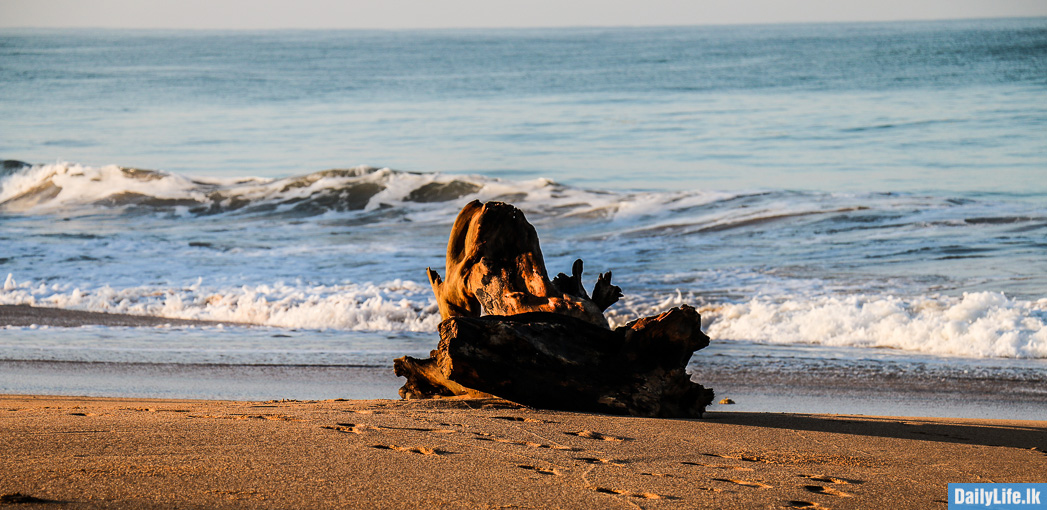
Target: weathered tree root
546, 343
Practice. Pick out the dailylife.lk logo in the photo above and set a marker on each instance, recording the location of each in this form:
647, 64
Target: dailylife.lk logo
998, 496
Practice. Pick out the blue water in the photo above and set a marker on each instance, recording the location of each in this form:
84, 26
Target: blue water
829, 186
860, 107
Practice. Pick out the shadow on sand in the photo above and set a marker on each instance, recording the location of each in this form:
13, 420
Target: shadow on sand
1014, 434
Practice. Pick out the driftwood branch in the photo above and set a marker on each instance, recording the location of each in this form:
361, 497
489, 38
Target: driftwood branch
604, 294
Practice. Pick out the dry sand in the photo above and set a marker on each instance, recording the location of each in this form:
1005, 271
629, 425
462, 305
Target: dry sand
77, 452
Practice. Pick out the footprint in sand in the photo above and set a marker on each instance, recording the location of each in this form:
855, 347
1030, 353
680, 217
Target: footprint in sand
240, 416
350, 428
419, 429
744, 458
521, 419
609, 462
357, 428
747, 483
421, 450
715, 466
659, 475
274, 417
589, 434
818, 489
831, 479
804, 504
540, 470
631, 494
487, 437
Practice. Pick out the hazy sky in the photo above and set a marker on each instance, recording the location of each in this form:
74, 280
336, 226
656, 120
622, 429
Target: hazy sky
253, 14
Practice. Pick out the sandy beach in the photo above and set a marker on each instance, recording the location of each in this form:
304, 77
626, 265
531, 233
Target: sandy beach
90, 452
73, 452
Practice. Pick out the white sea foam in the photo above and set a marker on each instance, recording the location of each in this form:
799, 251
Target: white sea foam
978, 324
390, 306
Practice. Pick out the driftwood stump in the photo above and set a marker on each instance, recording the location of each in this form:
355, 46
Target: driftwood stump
542, 342
495, 264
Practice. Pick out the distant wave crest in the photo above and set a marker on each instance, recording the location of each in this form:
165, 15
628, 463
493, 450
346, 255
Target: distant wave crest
370, 195
70, 188
65, 186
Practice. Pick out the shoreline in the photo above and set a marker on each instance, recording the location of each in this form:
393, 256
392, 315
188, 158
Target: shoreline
79, 452
799, 393
23, 316
772, 379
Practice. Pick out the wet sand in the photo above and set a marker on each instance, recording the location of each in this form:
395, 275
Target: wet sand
74, 452
24, 316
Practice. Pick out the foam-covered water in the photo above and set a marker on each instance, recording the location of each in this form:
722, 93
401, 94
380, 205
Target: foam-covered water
854, 187
346, 250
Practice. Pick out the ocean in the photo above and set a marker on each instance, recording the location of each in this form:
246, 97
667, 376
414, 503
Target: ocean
862, 198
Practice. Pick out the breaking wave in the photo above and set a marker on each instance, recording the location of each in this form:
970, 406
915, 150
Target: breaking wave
388, 306
978, 324
378, 194
72, 188
63, 186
